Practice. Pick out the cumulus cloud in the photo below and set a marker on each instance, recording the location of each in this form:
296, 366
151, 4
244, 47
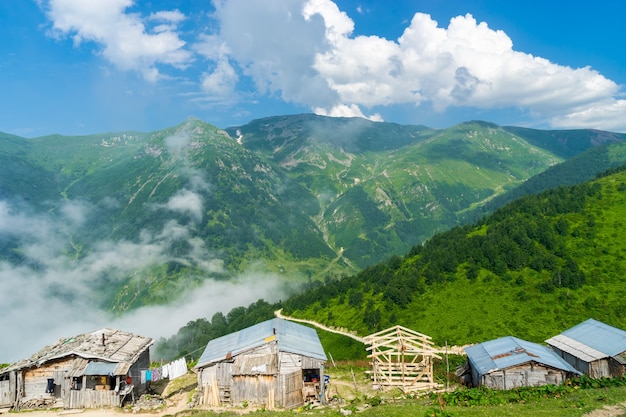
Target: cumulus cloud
287, 48
49, 294
607, 115
306, 52
125, 39
221, 82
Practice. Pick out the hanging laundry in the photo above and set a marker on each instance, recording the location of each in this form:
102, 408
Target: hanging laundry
178, 368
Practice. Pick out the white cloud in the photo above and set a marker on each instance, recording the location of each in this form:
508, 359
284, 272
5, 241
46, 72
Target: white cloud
610, 115
222, 81
186, 202
275, 46
305, 52
125, 39
343, 110
467, 64
52, 295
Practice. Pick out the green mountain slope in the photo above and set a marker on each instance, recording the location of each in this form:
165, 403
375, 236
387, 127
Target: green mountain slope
580, 168
209, 207
304, 196
566, 143
535, 267
383, 188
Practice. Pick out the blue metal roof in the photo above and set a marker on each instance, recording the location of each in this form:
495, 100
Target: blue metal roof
600, 336
510, 351
100, 368
291, 337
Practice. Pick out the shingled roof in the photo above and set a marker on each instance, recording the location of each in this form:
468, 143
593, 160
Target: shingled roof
104, 345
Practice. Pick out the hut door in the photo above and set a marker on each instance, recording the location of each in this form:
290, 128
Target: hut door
60, 383
293, 385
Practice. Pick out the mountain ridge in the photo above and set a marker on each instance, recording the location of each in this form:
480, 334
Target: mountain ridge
311, 196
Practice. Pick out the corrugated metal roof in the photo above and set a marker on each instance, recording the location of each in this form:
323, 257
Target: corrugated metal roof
107, 368
100, 368
509, 351
575, 348
291, 337
592, 338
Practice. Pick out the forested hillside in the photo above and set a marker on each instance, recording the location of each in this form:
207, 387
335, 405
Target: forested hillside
302, 198
535, 267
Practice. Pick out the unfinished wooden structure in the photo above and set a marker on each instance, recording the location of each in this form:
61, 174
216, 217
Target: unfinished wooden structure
402, 358
509, 362
275, 363
594, 348
97, 369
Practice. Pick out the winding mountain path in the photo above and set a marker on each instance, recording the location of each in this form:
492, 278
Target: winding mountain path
279, 314
456, 350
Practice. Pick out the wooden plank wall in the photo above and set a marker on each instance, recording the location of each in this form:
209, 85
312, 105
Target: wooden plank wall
523, 376
599, 369
7, 391
91, 399
254, 389
292, 389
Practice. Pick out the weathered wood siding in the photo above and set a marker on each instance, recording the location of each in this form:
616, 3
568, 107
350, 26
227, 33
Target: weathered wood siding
220, 372
36, 379
529, 375
576, 362
292, 389
261, 376
599, 368
254, 389
90, 398
8, 390
142, 363
617, 368
606, 367
291, 362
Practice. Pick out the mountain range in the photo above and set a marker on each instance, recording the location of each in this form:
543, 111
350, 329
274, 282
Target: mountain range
303, 196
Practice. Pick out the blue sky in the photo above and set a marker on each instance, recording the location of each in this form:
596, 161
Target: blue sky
79, 67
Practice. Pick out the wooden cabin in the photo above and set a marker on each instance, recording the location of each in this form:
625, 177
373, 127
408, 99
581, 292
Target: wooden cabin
594, 348
276, 363
97, 369
509, 362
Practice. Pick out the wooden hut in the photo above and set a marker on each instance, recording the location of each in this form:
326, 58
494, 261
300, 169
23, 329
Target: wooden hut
275, 363
594, 348
509, 362
97, 369
402, 358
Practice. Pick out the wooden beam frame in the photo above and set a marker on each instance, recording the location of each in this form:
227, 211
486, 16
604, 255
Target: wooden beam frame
402, 358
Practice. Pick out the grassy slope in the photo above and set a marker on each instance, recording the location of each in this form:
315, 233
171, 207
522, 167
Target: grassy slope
524, 302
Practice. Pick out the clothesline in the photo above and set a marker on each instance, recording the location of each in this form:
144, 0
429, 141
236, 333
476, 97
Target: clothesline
170, 370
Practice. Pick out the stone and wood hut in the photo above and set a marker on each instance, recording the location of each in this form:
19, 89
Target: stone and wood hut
97, 369
509, 362
276, 363
594, 348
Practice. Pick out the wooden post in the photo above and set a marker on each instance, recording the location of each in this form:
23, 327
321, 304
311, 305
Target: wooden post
332, 360
447, 368
322, 383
